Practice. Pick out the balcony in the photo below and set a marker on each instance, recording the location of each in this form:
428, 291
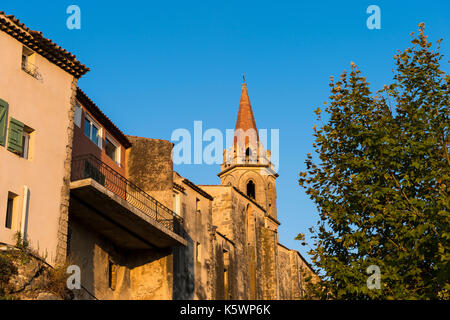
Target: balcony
120, 210
31, 69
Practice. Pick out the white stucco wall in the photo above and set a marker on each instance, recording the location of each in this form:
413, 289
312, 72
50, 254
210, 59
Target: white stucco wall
44, 106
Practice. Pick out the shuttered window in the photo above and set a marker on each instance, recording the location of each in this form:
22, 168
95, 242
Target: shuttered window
15, 136
77, 116
3, 121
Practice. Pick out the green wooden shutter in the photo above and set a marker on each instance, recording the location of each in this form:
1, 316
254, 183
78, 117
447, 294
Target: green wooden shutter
15, 135
3, 121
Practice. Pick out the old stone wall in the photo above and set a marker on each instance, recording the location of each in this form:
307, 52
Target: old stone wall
98, 259
150, 167
227, 216
242, 221
110, 273
224, 268
193, 265
284, 273
63, 226
151, 274
268, 253
222, 209
297, 280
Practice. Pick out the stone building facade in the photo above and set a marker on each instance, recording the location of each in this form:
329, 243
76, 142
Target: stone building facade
113, 205
245, 212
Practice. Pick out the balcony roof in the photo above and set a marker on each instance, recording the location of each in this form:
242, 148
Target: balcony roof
117, 220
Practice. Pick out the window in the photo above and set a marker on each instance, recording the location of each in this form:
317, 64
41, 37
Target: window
112, 275
3, 121
29, 63
271, 198
251, 189
112, 149
19, 138
197, 204
176, 203
226, 264
87, 128
92, 131
248, 154
10, 208
198, 252
26, 142
77, 115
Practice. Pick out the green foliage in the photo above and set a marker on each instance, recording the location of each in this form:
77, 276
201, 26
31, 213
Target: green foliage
24, 246
382, 182
7, 270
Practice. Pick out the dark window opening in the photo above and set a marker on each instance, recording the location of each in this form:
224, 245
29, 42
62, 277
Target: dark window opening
111, 150
9, 211
87, 127
226, 285
198, 252
28, 63
112, 275
248, 154
251, 189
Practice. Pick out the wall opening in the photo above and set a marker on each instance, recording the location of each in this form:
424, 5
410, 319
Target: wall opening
29, 63
270, 200
27, 142
248, 154
112, 275
177, 203
11, 210
226, 283
198, 252
251, 189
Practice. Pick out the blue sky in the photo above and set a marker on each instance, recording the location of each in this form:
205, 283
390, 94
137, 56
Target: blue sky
160, 65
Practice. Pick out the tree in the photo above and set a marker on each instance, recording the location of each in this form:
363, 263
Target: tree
381, 184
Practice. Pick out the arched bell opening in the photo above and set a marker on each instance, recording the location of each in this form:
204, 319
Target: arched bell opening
251, 189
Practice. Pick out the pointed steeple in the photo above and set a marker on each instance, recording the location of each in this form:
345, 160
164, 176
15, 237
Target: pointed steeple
245, 118
247, 150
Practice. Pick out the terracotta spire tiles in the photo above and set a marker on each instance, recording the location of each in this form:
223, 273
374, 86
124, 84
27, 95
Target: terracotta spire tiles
245, 118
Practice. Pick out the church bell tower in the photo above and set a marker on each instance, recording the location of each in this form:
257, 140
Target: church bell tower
247, 165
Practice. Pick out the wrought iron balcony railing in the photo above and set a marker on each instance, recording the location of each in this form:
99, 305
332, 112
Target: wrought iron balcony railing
31, 69
88, 166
